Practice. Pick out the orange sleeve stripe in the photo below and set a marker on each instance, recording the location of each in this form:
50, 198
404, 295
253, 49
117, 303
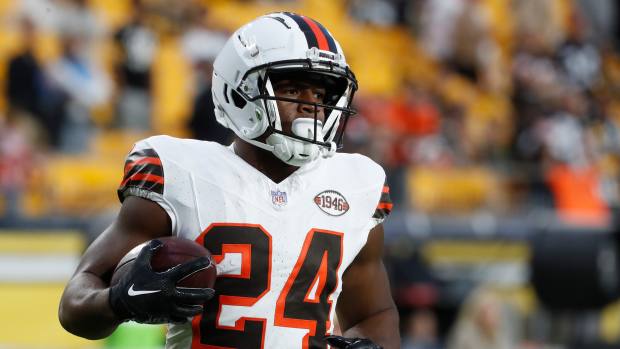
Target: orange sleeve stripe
385, 205
145, 160
386, 189
147, 177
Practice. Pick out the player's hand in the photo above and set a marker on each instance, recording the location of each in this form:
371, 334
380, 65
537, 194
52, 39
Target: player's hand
150, 297
340, 342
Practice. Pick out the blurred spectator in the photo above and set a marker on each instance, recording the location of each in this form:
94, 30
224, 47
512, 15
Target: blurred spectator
174, 20
76, 17
25, 80
563, 133
413, 283
41, 12
537, 84
437, 22
415, 112
571, 169
421, 331
137, 44
383, 13
577, 58
202, 123
541, 18
83, 86
415, 119
602, 16
537, 81
201, 44
16, 163
577, 196
474, 49
459, 35
482, 323
374, 132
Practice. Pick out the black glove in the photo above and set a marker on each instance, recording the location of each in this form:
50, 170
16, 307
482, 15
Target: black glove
351, 343
150, 297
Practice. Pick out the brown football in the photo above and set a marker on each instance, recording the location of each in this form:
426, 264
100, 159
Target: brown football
175, 251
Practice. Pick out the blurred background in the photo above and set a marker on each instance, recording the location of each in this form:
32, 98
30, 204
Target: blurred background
497, 122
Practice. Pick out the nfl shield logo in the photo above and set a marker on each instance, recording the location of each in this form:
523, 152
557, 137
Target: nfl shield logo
278, 197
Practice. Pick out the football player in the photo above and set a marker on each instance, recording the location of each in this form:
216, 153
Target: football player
295, 228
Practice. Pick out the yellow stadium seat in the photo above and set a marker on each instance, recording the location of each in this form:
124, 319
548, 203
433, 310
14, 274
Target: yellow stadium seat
458, 190
114, 145
82, 185
113, 13
609, 326
172, 91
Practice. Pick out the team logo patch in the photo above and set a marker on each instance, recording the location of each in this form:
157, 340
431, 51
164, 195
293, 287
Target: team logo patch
278, 197
332, 203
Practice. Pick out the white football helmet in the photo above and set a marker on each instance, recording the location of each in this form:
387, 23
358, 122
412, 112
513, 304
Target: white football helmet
274, 45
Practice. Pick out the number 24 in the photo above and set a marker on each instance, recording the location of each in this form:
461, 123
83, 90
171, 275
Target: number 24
304, 300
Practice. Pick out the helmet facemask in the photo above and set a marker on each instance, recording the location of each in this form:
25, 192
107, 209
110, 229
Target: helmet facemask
307, 137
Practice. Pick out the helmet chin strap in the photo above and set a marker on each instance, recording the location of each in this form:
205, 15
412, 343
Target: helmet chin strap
297, 153
293, 151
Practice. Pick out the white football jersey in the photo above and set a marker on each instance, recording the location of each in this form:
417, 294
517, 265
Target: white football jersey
281, 248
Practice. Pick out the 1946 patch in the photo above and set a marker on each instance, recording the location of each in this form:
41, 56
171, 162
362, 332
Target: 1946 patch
332, 202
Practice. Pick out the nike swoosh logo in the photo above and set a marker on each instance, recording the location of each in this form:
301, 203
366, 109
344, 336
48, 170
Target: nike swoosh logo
131, 292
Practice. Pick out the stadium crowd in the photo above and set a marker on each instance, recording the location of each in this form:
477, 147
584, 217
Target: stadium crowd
503, 107
516, 101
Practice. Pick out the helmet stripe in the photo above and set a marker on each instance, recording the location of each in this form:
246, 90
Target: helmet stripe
305, 28
330, 40
316, 35
320, 38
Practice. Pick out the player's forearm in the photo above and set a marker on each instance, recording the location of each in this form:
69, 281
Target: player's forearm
84, 308
381, 328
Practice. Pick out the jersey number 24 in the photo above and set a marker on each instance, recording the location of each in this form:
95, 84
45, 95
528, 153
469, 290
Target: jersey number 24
303, 302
